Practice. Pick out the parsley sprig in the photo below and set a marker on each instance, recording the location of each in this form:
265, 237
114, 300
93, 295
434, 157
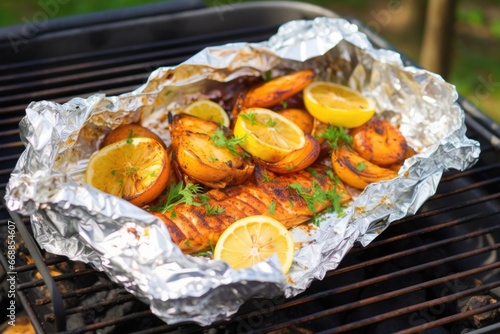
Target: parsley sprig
334, 135
249, 117
316, 195
219, 140
177, 194
209, 209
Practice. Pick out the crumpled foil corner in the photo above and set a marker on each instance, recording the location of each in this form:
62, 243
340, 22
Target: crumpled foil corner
134, 248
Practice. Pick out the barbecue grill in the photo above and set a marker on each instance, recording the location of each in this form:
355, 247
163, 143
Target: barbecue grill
434, 272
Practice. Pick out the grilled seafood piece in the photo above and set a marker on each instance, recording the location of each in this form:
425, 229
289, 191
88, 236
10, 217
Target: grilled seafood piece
301, 117
355, 170
202, 152
379, 142
274, 91
278, 89
291, 199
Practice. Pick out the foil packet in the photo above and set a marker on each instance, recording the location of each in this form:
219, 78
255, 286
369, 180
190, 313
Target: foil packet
134, 247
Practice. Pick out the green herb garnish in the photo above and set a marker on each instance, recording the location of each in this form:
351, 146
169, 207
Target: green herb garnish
271, 123
177, 194
219, 140
267, 75
249, 117
361, 166
211, 210
333, 135
272, 207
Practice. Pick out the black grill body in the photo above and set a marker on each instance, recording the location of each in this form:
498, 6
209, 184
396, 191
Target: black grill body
436, 271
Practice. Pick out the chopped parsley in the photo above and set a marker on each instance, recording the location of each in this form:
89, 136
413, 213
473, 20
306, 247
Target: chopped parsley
271, 123
131, 136
272, 208
334, 134
317, 195
177, 194
211, 210
267, 177
268, 75
219, 140
314, 172
249, 117
309, 195
331, 175
361, 166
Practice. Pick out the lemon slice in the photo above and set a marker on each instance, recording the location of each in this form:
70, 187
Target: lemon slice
208, 110
337, 105
136, 169
267, 135
254, 239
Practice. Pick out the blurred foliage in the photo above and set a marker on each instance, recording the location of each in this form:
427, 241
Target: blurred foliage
474, 16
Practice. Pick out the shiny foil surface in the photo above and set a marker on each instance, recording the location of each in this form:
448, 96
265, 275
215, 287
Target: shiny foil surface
134, 248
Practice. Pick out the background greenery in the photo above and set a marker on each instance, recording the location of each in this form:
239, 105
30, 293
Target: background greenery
475, 58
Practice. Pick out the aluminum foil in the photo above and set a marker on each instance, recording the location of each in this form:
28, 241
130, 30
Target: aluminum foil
134, 248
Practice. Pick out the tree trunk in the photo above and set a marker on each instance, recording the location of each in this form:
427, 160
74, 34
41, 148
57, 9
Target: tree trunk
438, 36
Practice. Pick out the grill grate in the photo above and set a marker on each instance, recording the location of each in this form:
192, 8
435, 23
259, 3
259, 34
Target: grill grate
419, 274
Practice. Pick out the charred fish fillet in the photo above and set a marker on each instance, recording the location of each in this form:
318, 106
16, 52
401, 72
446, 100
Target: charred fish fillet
291, 199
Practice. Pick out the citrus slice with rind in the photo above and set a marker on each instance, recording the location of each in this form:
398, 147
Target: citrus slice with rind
337, 104
135, 169
254, 239
267, 135
208, 110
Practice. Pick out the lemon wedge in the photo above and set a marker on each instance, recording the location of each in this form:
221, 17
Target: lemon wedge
209, 111
337, 105
267, 135
254, 239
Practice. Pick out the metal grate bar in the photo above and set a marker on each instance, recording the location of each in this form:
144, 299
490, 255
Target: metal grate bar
48, 262
52, 64
417, 307
452, 318
78, 292
477, 170
107, 302
422, 231
62, 277
472, 186
55, 296
107, 323
456, 206
371, 281
381, 298
415, 250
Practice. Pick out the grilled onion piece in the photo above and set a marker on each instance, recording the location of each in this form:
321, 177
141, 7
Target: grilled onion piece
201, 160
356, 171
296, 160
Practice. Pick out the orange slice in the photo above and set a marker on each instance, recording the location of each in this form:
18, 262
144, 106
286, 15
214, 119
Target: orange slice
135, 169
